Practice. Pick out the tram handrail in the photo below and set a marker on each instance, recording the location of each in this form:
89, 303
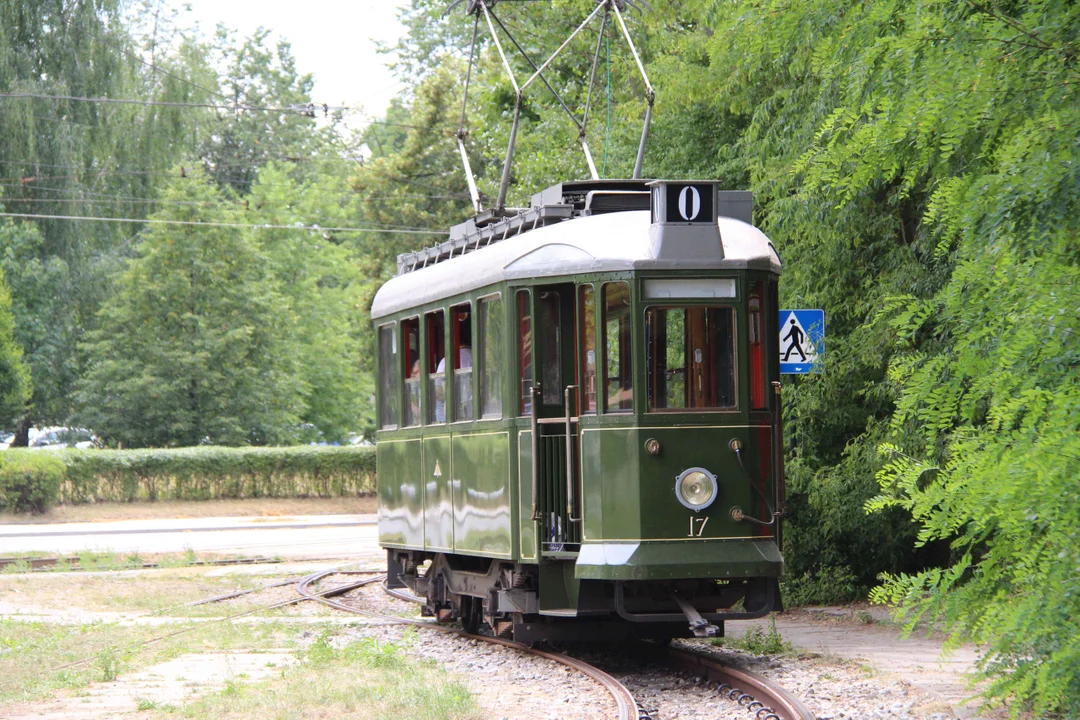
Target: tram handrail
570, 455
534, 422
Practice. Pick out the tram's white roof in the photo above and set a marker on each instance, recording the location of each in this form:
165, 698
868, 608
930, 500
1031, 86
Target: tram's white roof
611, 242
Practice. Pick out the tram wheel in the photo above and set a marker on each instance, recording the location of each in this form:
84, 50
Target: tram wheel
472, 614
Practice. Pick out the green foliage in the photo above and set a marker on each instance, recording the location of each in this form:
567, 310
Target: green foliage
194, 347
206, 473
29, 481
14, 374
320, 275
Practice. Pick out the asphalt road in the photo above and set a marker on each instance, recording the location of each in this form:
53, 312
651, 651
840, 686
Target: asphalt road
314, 536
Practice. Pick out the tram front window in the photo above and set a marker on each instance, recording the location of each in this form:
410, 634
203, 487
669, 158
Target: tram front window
690, 358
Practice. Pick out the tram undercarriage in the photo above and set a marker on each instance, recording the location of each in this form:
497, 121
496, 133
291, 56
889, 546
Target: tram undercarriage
530, 603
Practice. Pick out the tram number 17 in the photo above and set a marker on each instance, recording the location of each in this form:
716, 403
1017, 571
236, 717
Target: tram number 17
697, 526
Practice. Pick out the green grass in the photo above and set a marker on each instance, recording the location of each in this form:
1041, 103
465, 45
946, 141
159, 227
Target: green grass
104, 561
341, 677
758, 641
160, 592
31, 653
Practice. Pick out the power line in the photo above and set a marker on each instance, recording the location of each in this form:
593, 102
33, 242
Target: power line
103, 198
152, 66
251, 226
307, 109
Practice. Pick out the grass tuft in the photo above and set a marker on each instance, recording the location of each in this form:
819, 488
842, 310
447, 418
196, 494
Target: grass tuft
758, 641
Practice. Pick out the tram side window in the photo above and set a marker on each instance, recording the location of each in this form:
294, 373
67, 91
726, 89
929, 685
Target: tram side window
410, 331
618, 373
436, 351
461, 324
549, 310
389, 394
489, 330
690, 358
587, 345
524, 327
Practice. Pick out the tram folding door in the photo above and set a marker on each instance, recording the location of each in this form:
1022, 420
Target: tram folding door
556, 437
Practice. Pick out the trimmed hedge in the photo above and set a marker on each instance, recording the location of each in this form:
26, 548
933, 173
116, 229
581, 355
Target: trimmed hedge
206, 473
29, 481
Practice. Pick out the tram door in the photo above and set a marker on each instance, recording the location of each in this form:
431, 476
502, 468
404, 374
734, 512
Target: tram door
555, 416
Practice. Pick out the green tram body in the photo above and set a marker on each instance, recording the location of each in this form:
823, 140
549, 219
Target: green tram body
624, 555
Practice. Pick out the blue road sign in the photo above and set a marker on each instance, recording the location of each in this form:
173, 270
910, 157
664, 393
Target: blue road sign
802, 339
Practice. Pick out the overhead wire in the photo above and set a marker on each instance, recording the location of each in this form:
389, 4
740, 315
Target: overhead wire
250, 225
305, 109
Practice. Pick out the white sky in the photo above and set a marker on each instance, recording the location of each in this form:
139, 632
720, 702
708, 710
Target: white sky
334, 40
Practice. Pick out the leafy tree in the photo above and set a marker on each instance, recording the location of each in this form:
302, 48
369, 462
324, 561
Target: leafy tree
320, 275
194, 347
14, 374
41, 317
243, 141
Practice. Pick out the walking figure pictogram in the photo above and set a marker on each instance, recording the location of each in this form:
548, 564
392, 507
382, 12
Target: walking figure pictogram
796, 336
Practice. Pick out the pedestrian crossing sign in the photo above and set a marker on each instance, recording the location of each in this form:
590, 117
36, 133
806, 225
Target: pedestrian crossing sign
802, 339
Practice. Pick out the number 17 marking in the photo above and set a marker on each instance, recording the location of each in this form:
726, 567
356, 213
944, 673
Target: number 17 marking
701, 521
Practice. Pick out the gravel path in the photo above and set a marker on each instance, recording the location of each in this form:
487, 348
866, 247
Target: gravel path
834, 688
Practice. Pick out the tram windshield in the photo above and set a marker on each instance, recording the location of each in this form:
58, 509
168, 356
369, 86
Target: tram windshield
690, 358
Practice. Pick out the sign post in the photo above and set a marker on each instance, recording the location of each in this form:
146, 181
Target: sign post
802, 339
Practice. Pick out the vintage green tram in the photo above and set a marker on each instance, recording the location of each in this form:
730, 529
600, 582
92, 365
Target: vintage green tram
579, 411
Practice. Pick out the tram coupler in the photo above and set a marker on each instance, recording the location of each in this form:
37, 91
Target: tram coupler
701, 627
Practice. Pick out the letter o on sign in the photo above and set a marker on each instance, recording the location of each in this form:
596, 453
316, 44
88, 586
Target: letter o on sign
689, 203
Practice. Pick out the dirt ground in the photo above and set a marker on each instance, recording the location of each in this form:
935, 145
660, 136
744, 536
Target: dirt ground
260, 507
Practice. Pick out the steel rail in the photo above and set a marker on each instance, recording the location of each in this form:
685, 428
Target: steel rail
624, 700
761, 697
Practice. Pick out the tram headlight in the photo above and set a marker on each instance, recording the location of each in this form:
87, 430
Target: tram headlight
696, 488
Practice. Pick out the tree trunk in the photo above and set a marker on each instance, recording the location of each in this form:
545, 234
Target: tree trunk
22, 435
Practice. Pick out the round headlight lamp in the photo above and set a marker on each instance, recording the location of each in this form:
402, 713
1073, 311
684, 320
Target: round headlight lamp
696, 488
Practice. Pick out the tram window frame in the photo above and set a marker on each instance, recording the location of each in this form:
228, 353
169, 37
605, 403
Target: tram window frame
523, 329
435, 353
757, 309
488, 357
389, 373
461, 322
586, 351
624, 341
412, 414
711, 364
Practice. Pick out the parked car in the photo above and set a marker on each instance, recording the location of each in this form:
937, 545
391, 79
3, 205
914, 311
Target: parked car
5, 439
57, 438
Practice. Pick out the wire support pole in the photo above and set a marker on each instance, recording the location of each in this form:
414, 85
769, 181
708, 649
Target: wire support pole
532, 64
500, 204
474, 193
650, 94
468, 76
595, 65
582, 135
566, 42
499, 47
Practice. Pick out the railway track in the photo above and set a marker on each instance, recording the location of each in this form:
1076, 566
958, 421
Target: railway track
627, 708
760, 698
